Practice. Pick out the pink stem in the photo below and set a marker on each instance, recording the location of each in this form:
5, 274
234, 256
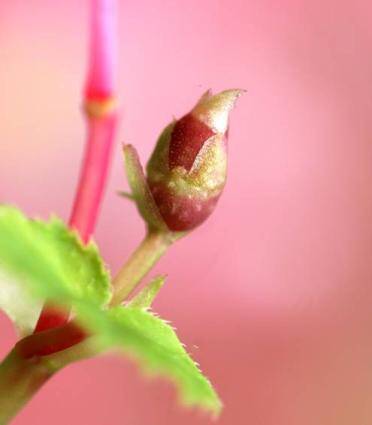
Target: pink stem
101, 133
101, 114
99, 92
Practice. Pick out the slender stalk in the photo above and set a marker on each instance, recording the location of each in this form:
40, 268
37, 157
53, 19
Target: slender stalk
101, 113
139, 264
94, 175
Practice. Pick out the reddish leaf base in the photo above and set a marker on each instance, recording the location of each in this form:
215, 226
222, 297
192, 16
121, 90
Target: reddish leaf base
50, 318
51, 341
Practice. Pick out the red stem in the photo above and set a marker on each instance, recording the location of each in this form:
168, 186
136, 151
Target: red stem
100, 108
24, 370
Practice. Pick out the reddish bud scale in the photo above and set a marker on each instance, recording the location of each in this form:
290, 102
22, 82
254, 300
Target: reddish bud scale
188, 137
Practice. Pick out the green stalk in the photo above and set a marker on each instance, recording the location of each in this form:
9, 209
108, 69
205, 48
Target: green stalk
140, 263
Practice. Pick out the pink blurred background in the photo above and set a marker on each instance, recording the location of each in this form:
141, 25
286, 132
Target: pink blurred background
273, 294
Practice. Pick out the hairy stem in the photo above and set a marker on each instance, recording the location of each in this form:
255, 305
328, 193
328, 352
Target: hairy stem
140, 263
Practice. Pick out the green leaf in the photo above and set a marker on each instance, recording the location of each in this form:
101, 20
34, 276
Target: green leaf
49, 259
140, 189
146, 296
155, 346
83, 267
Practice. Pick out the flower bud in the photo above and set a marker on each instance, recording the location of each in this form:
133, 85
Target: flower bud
187, 170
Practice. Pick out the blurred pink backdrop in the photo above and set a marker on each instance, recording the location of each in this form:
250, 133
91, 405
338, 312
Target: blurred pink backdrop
273, 294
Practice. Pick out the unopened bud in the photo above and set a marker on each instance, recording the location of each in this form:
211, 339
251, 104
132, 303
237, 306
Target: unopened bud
187, 170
